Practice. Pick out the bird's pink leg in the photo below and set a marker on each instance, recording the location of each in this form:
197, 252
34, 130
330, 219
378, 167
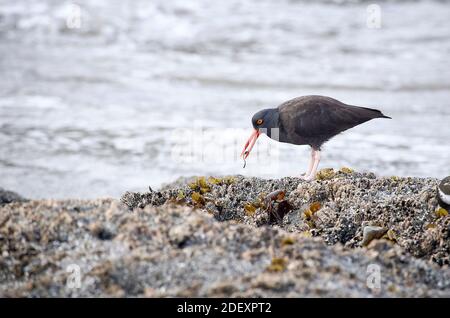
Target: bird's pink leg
313, 171
310, 166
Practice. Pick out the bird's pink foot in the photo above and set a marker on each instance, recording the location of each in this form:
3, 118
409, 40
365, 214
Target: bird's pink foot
312, 169
307, 178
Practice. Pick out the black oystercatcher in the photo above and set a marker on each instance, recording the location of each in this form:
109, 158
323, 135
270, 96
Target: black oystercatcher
444, 193
308, 120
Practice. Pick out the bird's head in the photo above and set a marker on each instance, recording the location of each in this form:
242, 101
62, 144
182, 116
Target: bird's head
263, 121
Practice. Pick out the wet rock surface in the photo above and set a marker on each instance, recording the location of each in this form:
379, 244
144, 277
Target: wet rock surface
214, 237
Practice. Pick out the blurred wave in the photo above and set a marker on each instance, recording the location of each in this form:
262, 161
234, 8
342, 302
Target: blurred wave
91, 111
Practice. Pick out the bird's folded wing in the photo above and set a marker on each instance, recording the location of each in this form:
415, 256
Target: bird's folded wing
323, 117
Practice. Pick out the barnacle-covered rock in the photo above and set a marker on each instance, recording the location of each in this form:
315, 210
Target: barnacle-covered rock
348, 201
174, 250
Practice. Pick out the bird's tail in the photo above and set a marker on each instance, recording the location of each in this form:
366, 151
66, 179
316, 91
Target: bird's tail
375, 113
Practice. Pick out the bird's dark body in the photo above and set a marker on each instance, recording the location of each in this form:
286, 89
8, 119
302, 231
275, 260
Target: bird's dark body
312, 120
443, 189
442, 204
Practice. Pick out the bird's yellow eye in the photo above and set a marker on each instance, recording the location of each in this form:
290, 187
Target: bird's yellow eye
259, 122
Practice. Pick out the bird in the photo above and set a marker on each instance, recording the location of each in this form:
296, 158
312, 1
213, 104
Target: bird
444, 193
308, 120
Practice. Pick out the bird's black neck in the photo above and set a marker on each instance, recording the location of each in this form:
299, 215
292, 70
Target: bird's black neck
272, 123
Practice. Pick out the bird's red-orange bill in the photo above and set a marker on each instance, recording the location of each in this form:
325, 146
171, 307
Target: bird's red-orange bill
250, 143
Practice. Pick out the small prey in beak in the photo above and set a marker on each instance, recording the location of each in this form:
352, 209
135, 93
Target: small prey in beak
249, 145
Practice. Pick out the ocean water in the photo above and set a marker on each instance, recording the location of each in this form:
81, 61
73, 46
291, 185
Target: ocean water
101, 97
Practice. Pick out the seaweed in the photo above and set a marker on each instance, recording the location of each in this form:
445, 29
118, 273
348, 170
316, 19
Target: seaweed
287, 241
180, 196
311, 210
277, 215
441, 212
325, 174
249, 209
282, 206
277, 265
346, 170
197, 199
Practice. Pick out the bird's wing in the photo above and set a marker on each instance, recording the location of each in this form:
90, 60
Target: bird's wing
312, 116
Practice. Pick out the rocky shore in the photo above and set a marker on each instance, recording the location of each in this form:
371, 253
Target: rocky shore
345, 234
